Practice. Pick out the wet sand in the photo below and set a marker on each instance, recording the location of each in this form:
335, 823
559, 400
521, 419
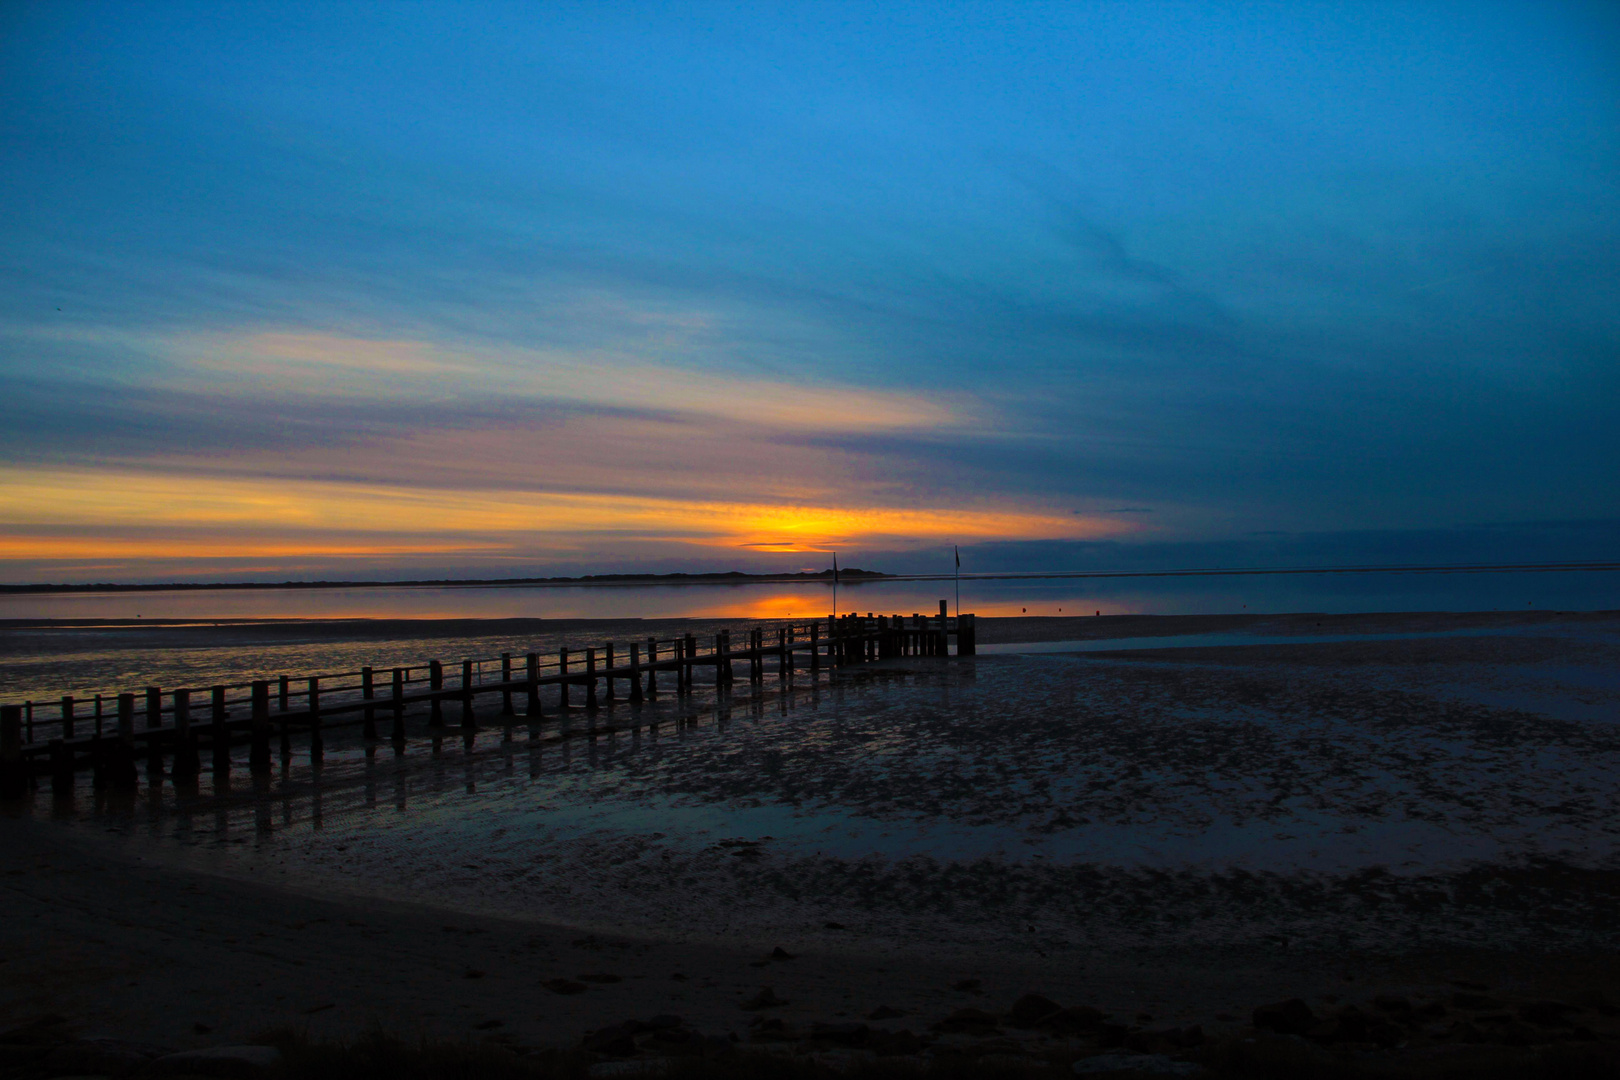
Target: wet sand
132, 944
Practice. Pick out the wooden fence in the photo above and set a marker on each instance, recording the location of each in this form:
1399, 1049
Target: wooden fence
111, 733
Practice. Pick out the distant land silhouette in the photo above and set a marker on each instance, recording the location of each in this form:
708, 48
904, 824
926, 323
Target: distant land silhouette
588, 579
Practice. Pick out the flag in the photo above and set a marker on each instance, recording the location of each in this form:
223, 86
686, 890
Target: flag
958, 556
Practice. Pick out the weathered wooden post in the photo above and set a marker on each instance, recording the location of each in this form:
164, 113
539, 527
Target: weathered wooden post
967, 636
531, 675
186, 763
652, 667
781, 653
317, 744
67, 716
467, 719
259, 750
154, 720
562, 685
28, 721
121, 766
635, 674
398, 732
13, 773
221, 739
368, 692
506, 687
590, 678
815, 646
283, 693
435, 688
607, 671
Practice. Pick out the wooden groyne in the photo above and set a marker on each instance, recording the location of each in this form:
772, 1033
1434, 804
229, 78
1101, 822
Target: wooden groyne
113, 733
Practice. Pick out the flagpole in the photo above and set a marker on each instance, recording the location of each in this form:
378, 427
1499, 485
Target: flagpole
835, 585
958, 553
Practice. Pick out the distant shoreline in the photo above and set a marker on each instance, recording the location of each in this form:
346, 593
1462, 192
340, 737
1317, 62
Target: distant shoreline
851, 576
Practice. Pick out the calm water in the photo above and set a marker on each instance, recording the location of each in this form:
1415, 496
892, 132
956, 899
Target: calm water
1559, 591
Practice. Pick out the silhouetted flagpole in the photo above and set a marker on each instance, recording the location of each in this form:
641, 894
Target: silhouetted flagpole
835, 584
958, 553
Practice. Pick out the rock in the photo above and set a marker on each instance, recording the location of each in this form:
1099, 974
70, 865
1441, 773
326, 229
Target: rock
780, 953
564, 986
1386, 1034
644, 1067
1392, 1003
1152, 1064
765, 999
884, 1012
1029, 1010
615, 1041
226, 1062
968, 1022
833, 926
41, 1031
600, 978
891, 1043
967, 985
110, 1057
1291, 1017
663, 1022
769, 1030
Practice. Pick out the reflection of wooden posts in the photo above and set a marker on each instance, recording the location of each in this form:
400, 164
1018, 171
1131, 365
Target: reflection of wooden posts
506, 684
562, 684
317, 745
607, 671
13, 773
590, 678
652, 667
467, 720
259, 713
815, 646
61, 768
531, 677
435, 688
781, 653
635, 674
398, 732
367, 693
186, 762
691, 659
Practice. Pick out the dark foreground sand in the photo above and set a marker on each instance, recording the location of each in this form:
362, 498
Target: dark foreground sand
129, 948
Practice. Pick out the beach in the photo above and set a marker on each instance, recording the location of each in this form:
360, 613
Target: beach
1329, 808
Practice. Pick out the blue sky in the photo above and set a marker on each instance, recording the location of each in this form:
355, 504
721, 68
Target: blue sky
427, 289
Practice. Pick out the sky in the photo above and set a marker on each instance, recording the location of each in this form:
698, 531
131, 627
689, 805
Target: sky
295, 291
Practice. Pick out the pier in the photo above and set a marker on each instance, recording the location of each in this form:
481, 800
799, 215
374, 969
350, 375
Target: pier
114, 733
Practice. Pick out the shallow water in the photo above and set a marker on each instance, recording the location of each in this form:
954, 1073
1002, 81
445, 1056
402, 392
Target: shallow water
1456, 789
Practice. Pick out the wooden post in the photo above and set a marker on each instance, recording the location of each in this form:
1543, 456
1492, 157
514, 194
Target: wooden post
781, 653
562, 669
720, 673
967, 636
185, 739
506, 678
67, 716
607, 668
368, 692
815, 645
221, 740
121, 767
398, 732
435, 687
13, 774
531, 674
635, 674
283, 690
467, 720
154, 720
259, 753
652, 667
28, 721
317, 745
590, 678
